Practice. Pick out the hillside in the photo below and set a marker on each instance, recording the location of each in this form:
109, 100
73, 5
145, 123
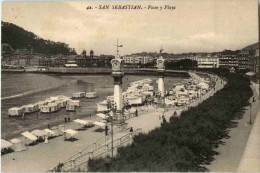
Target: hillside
18, 38
252, 46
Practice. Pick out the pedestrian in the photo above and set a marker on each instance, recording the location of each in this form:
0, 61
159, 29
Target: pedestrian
65, 119
131, 132
68, 119
46, 140
136, 113
164, 120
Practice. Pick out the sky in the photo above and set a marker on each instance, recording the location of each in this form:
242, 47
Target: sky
194, 26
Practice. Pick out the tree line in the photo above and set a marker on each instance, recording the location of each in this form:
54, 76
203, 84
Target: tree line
19, 38
188, 142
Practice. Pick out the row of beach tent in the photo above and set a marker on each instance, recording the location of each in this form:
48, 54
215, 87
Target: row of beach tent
49, 105
135, 94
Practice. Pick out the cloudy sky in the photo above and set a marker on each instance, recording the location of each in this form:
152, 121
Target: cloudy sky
194, 26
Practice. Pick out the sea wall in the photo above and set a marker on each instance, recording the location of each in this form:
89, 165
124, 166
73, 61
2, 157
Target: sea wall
132, 71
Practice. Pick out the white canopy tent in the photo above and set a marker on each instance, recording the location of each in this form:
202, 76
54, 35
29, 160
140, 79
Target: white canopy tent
5, 144
29, 136
39, 133
49, 132
100, 124
83, 122
104, 116
71, 132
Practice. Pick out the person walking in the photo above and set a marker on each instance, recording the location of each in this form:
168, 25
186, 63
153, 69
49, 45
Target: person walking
136, 112
163, 116
131, 132
164, 120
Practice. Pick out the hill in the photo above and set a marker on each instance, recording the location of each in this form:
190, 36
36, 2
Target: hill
252, 46
19, 38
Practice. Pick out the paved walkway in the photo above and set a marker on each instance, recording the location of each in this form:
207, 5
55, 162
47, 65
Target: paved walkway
231, 152
250, 161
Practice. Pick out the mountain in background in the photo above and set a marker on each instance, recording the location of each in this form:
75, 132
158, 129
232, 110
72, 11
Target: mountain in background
252, 47
15, 37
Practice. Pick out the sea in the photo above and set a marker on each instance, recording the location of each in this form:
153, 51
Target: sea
18, 83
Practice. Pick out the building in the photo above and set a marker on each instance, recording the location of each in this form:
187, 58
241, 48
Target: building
208, 60
228, 59
243, 59
137, 59
254, 62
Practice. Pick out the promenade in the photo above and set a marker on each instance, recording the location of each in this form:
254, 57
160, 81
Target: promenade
231, 152
250, 161
43, 157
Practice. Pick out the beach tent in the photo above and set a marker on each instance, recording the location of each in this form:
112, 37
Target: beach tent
54, 98
102, 106
5, 144
57, 131
71, 133
91, 95
134, 100
29, 136
70, 107
79, 95
74, 102
102, 115
15, 111
84, 123
100, 124
28, 108
18, 145
50, 132
39, 133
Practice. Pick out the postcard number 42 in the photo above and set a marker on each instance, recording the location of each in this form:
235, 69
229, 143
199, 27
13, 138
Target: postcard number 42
89, 8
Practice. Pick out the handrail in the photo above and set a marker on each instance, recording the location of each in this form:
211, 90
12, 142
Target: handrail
69, 164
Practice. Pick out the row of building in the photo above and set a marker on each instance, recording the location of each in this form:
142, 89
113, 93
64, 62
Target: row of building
23, 57
239, 59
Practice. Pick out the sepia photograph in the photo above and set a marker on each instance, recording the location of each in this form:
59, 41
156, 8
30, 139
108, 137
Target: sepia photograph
130, 86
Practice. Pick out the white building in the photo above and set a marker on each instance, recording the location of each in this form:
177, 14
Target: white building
208, 60
137, 59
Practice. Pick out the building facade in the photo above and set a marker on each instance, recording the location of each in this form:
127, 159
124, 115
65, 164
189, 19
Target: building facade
228, 59
243, 59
